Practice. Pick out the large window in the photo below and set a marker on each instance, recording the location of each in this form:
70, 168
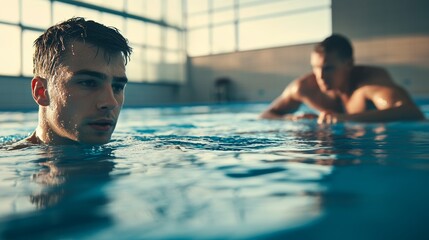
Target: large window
219, 26
10, 62
154, 29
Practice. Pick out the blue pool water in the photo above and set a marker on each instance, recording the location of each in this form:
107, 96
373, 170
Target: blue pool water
219, 172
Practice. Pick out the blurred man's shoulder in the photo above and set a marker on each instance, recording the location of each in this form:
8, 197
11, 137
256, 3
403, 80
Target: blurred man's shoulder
367, 70
304, 85
370, 75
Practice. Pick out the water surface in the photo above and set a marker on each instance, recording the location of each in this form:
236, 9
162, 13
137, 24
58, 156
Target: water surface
218, 171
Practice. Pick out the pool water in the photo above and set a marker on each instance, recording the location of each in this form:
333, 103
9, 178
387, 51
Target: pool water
219, 172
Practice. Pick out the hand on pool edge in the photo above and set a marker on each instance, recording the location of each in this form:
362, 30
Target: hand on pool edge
330, 118
296, 117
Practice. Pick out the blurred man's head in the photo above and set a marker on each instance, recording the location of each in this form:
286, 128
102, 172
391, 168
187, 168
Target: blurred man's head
332, 60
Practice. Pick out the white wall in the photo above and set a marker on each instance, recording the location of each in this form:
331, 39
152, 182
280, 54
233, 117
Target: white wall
256, 75
15, 94
141, 94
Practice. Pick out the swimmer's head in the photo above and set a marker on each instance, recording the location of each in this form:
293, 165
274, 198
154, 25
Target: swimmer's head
337, 44
332, 60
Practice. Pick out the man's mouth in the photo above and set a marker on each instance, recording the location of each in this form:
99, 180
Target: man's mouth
102, 125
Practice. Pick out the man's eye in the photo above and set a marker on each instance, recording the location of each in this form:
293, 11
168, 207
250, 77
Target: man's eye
88, 83
118, 88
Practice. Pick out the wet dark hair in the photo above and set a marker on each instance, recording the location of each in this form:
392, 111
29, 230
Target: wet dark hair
338, 44
52, 45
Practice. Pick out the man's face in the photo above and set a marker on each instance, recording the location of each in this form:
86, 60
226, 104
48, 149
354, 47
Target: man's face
331, 71
86, 96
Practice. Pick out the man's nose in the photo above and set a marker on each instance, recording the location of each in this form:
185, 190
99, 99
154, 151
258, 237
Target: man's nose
107, 99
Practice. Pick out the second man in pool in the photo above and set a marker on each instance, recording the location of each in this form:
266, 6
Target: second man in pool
342, 91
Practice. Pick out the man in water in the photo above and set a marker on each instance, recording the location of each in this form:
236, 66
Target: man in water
79, 81
342, 91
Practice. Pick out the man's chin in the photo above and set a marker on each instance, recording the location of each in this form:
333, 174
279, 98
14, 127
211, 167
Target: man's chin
95, 141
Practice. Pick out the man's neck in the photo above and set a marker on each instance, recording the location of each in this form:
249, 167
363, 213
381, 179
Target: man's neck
45, 135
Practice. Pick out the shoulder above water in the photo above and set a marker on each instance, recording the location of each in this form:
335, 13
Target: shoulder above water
29, 141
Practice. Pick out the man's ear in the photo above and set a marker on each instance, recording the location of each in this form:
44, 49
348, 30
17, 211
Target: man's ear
39, 91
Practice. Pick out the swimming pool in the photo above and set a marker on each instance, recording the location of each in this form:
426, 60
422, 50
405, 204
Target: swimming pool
217, 171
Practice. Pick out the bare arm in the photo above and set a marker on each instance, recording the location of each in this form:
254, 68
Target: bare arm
400, 113
392, 102
286, 103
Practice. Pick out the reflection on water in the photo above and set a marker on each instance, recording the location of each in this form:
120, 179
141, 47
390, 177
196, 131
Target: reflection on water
66, 192
70, 167
189, 173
